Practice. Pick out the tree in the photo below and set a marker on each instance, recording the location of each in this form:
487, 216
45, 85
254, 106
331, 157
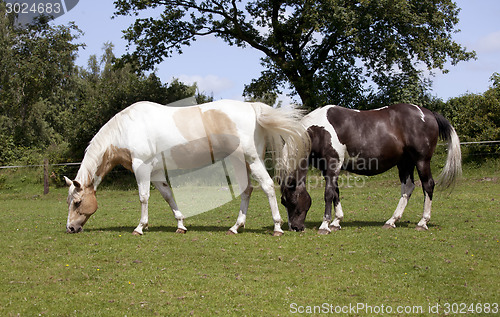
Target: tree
36, 70
106, 87
400, 88
323, 50
476, 117
51, 107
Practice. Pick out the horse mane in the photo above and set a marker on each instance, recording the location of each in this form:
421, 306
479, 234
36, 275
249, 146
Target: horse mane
94, 152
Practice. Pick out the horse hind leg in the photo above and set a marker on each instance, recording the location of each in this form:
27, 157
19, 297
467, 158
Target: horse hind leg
266, 183
166, 193
424, 172
407, 187
245, 201
339, 216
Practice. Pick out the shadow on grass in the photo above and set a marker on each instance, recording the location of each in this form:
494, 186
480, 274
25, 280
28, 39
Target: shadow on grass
363, 224
264, 230
172, 229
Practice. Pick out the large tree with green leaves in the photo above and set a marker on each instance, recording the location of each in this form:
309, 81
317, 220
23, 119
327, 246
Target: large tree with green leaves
323, 50
105, 88
36, 70
476, 117
50, 106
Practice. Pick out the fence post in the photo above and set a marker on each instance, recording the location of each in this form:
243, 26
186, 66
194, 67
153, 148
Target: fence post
45, 176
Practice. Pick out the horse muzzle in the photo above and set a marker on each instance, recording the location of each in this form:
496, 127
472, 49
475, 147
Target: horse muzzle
297, 228
74, 229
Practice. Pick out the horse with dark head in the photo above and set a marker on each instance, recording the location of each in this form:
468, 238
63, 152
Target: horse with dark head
369, 143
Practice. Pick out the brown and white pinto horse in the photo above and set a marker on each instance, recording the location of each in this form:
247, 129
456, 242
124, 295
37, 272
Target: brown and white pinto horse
146, 138
369, 143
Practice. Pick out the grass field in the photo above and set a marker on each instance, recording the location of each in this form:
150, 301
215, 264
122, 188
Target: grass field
106, 271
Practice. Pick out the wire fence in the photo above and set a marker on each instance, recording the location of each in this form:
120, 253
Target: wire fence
40, 165
45, 175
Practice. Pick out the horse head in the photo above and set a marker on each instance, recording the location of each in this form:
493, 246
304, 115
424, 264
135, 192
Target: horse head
296, 200
82, 203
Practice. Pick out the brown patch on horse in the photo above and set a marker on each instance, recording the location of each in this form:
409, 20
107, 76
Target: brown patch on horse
210, 135
112, 157
193, 154
189, 122
372, 149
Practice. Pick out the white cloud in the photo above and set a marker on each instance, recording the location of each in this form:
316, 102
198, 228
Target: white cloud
208, 83
489, 43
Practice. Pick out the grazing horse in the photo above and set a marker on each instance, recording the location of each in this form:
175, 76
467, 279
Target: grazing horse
146, 138
369, 143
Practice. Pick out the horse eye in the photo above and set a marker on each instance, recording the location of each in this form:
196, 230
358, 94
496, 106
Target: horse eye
77, 203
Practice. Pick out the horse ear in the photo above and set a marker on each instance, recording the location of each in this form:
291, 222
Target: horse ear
68, 181
77, 185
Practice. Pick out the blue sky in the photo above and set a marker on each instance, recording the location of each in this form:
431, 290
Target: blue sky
224, 70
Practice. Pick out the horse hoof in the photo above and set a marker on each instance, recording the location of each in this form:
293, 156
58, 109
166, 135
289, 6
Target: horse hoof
323, 232
386, 226
230, 233
136, 233
420, 228
277, 234
179, 230
335, 228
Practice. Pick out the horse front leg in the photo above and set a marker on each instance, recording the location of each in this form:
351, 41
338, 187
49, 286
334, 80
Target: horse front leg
142, 173
144, 192
327, 217
332, 198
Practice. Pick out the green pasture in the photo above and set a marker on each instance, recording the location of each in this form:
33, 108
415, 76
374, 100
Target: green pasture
106, 271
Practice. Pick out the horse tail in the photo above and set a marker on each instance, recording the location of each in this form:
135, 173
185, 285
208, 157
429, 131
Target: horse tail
453, 166
286, 137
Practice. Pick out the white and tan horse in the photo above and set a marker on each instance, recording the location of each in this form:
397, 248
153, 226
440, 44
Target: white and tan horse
147, 137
